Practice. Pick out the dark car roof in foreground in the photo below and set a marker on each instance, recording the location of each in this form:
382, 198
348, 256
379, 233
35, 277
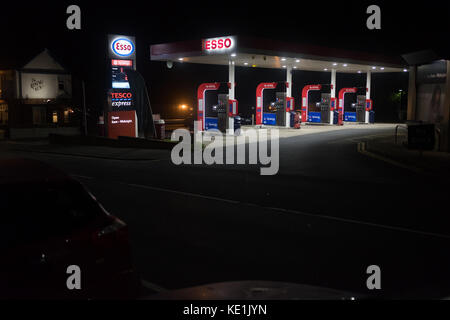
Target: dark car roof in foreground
19, 170
255, 290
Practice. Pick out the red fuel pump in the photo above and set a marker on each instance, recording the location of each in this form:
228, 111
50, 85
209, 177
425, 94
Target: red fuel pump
201, 111
305, 92
342, 93
259, 99
283, 104
201, 102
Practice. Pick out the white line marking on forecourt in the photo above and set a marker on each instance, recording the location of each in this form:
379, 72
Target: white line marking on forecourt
152, 286
291, 211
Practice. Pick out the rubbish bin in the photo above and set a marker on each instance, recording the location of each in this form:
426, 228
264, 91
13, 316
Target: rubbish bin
160, 127
371, 116
237, 123
292, 119
335, 116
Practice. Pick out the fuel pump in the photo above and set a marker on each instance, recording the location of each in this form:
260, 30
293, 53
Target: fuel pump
325, 107
275, 112
362, 106
323, 112
219, 115
222, 112
280, 108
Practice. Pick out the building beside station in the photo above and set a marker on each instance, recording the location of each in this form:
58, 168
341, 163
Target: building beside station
429, 92
36, 98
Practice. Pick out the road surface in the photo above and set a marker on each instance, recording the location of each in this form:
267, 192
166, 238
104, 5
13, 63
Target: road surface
326, 216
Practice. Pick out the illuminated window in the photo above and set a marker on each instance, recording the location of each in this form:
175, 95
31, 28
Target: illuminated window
3, 114
55, 117
66, 116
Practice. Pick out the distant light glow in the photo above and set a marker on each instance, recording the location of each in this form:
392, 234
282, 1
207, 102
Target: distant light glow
335, 64
245, 63
373, 68
298, 60
284, 66
325, 69
283, 59
405, 70
233, 54
181, 59
344, 64
382, 68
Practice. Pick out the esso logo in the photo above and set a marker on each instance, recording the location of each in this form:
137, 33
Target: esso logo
121, 95
218, 44
122, 47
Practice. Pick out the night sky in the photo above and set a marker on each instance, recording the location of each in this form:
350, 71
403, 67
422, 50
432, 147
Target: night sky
407, 26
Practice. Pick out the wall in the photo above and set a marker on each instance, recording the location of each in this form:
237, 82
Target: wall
39, 86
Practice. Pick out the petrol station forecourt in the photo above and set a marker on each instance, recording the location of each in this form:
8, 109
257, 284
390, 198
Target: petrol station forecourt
253, 52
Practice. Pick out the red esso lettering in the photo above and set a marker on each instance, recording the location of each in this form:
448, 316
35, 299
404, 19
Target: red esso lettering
213, 44
207, 45
220, 44
227, 42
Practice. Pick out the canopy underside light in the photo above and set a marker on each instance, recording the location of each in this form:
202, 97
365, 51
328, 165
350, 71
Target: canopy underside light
276, 62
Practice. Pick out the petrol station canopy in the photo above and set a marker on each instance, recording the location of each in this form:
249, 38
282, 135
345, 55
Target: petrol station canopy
275, 54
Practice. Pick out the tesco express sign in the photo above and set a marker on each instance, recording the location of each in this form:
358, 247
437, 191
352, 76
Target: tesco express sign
221, 44
122, 47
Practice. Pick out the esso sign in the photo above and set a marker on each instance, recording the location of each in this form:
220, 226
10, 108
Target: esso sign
221, 44
122, 47
121, 95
